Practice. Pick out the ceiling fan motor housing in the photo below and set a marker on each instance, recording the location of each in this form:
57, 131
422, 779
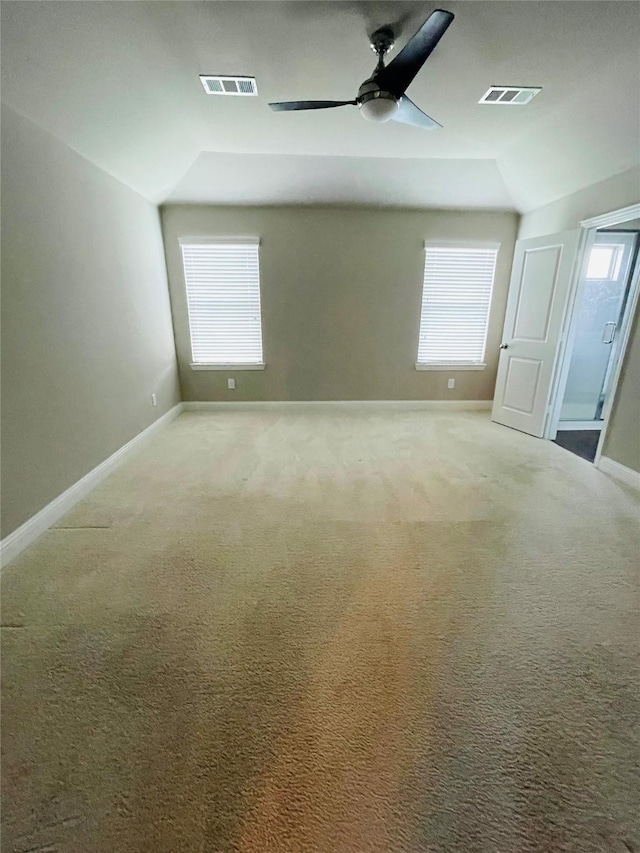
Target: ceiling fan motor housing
376, 104
382, 41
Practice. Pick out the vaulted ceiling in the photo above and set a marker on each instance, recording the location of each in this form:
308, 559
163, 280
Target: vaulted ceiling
118, 82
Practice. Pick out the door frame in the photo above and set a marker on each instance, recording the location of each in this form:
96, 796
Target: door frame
588, 229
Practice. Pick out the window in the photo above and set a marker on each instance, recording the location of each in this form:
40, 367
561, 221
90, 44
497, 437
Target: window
456, 297
222, 280
604, 262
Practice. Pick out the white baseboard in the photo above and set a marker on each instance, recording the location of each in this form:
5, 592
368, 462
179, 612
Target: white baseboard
404, 405
28, 532
620, 472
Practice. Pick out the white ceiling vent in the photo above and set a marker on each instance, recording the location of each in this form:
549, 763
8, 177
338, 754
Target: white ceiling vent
511, 95
215, 84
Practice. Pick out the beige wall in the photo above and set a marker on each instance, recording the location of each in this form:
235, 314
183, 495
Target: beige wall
86, 327
619, 191
622, 441
341, 293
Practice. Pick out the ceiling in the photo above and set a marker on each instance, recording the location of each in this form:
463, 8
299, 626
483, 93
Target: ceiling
118, 82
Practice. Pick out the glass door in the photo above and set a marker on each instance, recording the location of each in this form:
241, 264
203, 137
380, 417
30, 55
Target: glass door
600, 312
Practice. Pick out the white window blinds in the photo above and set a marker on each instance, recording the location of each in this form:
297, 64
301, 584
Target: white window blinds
456, 297
222, 279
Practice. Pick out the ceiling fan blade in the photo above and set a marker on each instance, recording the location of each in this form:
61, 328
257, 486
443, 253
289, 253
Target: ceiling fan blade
287, 106
409, 113
399, 73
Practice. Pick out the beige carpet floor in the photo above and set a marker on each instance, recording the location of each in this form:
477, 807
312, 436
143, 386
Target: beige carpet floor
325, 630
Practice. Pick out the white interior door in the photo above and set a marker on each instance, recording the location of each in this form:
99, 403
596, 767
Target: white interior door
540, 283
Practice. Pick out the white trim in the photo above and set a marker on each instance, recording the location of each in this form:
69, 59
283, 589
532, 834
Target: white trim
400, 405
16, 542
615, 217
620, 472
595, 426
462, 244
197, 366
207, 240
475, 365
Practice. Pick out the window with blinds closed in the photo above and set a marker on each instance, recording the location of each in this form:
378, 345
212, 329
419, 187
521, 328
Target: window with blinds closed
456, 297
222, 279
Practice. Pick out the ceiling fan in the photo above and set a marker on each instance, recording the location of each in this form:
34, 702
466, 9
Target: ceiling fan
382, 97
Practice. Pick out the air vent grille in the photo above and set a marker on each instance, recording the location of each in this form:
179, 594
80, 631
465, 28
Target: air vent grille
215, 84
510, 95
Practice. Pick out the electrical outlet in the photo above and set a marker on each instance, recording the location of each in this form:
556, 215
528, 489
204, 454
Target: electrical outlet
231, 384
154, 400
451, 384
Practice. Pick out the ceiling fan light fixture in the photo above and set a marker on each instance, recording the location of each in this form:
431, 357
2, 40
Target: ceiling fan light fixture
379, 107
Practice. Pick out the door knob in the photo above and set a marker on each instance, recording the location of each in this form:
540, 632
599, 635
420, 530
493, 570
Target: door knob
504, 346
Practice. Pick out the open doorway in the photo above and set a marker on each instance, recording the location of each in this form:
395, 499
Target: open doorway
572, 298
596, 333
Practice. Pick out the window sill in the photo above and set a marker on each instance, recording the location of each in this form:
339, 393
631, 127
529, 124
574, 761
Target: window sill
260, 366
449, 367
